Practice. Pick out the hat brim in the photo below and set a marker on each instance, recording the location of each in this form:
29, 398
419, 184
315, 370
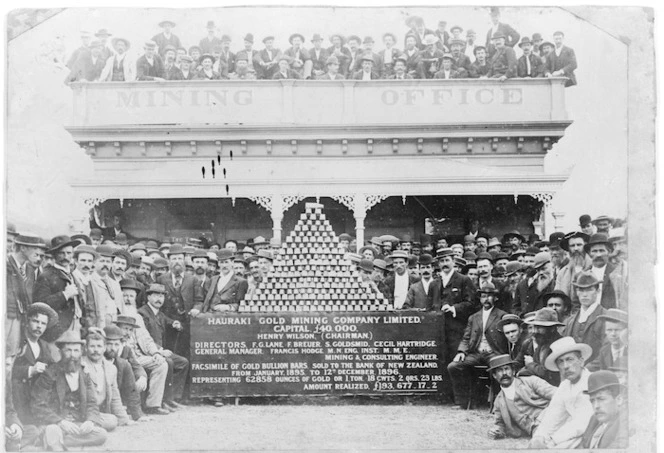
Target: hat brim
613, 319
544, 323
608, 243
585, 350
63, 245
39, 245
509, 362
135, 288
604, 387
134, 325
42, 308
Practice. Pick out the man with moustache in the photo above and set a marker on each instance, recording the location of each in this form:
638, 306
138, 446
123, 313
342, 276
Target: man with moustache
200, 261
107, 291
480, 68
519, 406
160, 268
544, 283
598, 248
424, 294
119, 264
332, 65
574, 244
33, 358
537, 348
503, 62
457, 302
104, 377
131, 377
255, 275
226, 290
156, 323
508, 296
585, 325
608, 427
481, 341
569, 412
93, 304
171, 71
510, 326
63, 400
239, 267
117, 68
529, 65
560, 302
395, 287
183, 294
56, 288
619, 276
485, 269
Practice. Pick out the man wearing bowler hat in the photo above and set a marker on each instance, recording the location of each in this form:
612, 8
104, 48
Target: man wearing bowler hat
56, 288
63, 400
249, 54
210, 41
529, 65
183, 294
503, 62
33, 358
519, 406
569, 412
166, 37
226, 290
89, 65
614, 351
537, 348
424, 294
511, 35
481, 340
608, 427
598, 248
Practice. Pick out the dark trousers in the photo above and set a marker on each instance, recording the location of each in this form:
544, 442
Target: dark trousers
453, 336
178, 369
127, 385
461, 374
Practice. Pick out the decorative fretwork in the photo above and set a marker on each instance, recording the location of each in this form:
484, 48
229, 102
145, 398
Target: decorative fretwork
264, 201
290, 200
93, 201
543, 197
373, 200
346, 200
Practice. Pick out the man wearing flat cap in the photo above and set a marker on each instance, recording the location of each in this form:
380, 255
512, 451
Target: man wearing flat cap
481, 340
608, 427
537, 348
519, 406
570, 410
226, 290
166, 37
171, 70
33, 359
117, 68
63, 400
150, 67
511, 35
424, 294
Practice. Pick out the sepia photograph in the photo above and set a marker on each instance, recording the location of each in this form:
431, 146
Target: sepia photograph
303, 227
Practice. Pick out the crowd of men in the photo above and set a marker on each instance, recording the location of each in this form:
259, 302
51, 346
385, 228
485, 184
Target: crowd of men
98, 325
426, 54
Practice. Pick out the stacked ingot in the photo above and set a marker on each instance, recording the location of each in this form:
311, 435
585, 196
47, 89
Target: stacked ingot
310, 273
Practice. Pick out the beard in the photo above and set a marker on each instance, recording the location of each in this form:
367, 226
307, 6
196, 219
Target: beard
543, 280
110, 355
200, 271
578, 258
72, 364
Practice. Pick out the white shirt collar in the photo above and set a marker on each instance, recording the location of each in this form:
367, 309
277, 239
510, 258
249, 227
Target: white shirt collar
584, 314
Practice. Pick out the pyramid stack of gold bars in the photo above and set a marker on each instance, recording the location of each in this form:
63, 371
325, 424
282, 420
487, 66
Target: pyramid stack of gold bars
311, 274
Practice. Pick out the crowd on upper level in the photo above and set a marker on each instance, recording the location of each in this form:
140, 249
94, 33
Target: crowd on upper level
426, 54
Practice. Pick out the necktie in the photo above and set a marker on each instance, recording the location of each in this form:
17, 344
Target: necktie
178, 281
23, 274
527, 65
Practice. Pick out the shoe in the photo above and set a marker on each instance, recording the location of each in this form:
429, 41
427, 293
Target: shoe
177, 405
156, 411
218, 403
169, 407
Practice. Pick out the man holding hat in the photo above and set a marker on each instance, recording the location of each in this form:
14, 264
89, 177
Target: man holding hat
56, 288
614, 351
63, 400
149, 66
519, 406
117, 68
586, 325
424, 294
226, 290
151, 357
266, 61
511, 35
599, 247
166, 38
608, 427
481, 340
183, 294
33, 359
396, 285
529, 65
569, 412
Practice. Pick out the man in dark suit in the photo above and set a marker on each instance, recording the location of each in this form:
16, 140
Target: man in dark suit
156, 323
149, 66
608, 427
614, 351
537, 348
89, 65
226, 290
529, 65
332, 73
340, 52
561, 62
480, 67
399, 71
460, 61
586, 326
171, 71
166, 38
424, 294
33, 359
367, 72
447, 70
417, 31
396, 285
284, 70
63, 399
481, 340
185, 68
210, 41
266, 61
510, 326
183, 293
56, 288
318, 57
511, 35
226, 57
431, 56
118, 217
503, 61
598, 249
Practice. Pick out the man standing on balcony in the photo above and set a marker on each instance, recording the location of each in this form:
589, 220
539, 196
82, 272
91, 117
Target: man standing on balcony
529, 65
562, 61
447, 69
166, 38
503, 61
171, 72
248, 53
117, 69
511, 35
400, 69
300, 61
210, 41
367, 72
342, 53
332, 70
318, 57
89, 65
226, 57
430, 56
148, 67
285, 71
266, 61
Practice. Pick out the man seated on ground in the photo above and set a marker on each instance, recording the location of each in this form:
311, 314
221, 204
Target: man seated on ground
614, 352
537, 348
569, 412
608, 425
63, 399
481, 341
131, 377
510, 326
521, 401
155, 323
104, 376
